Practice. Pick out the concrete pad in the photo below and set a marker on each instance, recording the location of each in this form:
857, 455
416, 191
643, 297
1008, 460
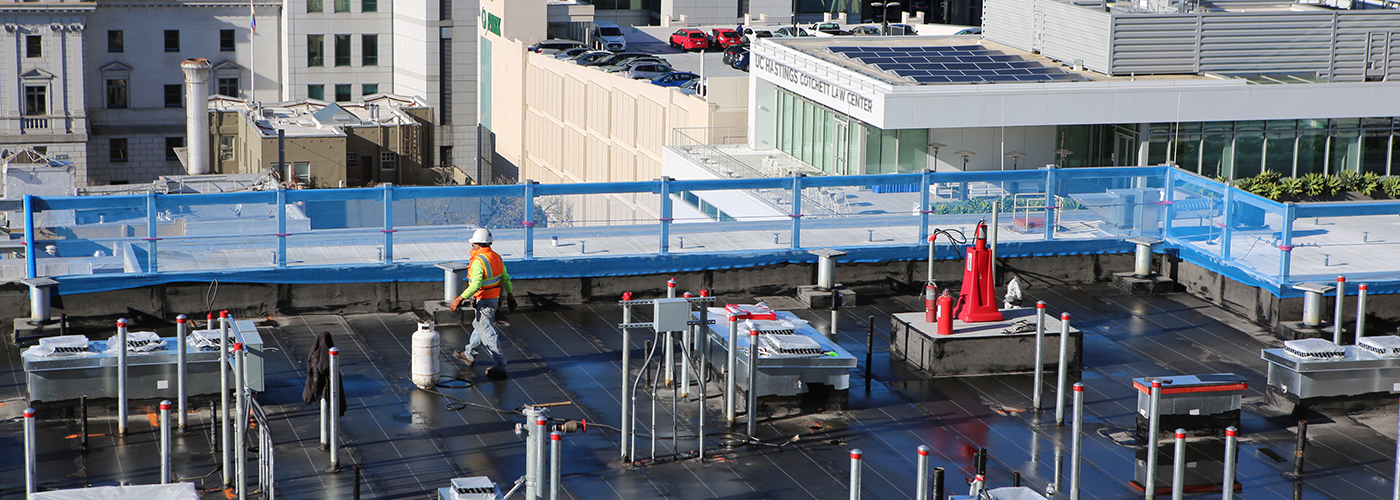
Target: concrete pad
979, 348
24, 328
815, 298
1133, 284
1296, 330
442, 314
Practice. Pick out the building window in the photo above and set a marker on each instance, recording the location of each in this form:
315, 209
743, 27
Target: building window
116, 93
315, 7
369, 5
225, 147
116, 41
369, 89
342, 50
36, 101
315, 50
116, 149
174, 96
172, 40
342, 5
33, 46
170, 144
445, 156
226, 40
352, 160
300, 172
342, 92
369, 50
316, 91
388, 160
228, 86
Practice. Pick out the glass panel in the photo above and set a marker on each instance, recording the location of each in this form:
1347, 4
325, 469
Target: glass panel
1249, 155
1218, 126
1283, 125
911, 149
1253, 126
872, 150
1312, 151
889, 150
1346, 152
1345, 123
1278, 153
1375, 151
828, 159
1216, 155
1188, 153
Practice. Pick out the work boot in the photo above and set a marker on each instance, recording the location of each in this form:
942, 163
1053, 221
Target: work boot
464, 357
497, 373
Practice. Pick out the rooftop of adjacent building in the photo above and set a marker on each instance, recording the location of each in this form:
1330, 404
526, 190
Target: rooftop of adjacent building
309, 117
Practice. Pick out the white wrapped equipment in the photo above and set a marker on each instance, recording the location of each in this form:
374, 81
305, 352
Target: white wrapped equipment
1314, 349
204, 340
175, 491
62, 345
1385, 346
137, 342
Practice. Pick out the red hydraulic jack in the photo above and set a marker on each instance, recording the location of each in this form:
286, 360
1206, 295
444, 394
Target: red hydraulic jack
978, 303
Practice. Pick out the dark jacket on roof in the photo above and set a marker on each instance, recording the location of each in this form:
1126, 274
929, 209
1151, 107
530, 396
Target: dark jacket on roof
318, 373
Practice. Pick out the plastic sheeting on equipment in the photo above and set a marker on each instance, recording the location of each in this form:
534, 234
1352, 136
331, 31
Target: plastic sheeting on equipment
177, 491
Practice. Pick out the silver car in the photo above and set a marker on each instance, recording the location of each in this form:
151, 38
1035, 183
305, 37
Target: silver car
624, 65
647, 71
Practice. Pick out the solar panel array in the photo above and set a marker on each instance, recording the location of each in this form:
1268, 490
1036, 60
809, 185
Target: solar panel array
950, 64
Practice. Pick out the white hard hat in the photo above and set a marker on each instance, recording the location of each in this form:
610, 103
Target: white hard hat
482, 235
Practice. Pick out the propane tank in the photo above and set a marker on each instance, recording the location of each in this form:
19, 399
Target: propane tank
945, 313
425, 364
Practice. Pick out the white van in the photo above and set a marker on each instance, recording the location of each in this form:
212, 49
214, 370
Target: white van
606, 35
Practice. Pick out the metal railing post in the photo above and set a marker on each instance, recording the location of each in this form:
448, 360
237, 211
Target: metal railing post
751, 407
121, 378
529, 221
282, 227
1076, 441
626, 378
855, 474
730, 384
388, 224
921, 489
165, 442
1064, 370
1227, 486
1227, 213
1360, 311
924, 209
152, 233
31, 482
1153, 420
1179, 466
665, 215
1050, 194
1168, 190
796, 214
182, 328
1337, 315
31, 263
240, 418
556, 449
1290, 212
1039, 356
334, 409
225, 438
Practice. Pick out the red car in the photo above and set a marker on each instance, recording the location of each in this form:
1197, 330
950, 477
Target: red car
723, 38
689, 39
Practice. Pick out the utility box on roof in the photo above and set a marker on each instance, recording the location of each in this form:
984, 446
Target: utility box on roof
671, 315
1202, 404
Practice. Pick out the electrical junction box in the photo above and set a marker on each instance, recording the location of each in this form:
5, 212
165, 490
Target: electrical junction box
671, 315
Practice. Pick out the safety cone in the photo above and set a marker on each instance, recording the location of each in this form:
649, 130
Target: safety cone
978, 303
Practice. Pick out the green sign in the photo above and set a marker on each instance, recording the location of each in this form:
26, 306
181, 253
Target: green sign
491, 22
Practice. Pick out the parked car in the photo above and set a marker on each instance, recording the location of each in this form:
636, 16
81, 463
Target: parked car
695, 86
825, 26
567, 54
729, 52
902, 29
832, 33
866, 31
647, 70
750, 34
689, 39
675, 79
791, 31
607, 36
590, 57
616, 58
554, 45
622, 66
969, 31
741, 61
721, 38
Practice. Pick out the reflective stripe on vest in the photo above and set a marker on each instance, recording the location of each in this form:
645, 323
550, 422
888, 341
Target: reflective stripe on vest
491, 280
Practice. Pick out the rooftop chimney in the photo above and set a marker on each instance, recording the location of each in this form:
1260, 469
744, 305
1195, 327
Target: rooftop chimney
196, 115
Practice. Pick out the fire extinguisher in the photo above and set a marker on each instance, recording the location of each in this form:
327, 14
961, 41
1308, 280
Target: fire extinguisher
945, 314
930, 303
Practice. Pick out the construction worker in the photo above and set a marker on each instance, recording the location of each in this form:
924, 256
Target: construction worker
488, 277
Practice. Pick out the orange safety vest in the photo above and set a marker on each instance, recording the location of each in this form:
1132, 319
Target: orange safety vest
492, 270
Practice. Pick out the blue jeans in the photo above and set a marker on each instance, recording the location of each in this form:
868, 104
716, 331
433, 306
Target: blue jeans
484, 331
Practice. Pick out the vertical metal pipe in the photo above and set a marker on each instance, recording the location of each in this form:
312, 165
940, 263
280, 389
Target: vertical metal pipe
240, 420
921, 489
992, 238
334, 410
686, 335
869, 348
529, 222
325, 425
121, 377
224, 438
796, 211
1064, 370
855, 474
665, 219
937, 483
626, 379
1016, 478
556, 447
182, 328
1076, 441
532, 478
834, 328
931, 245
541, 437
652, 382
730, 383
1153, 420
1227, 486
1337, 317
702, 341
31, 263
30, 460
1039, 356
1360, 311
84, 429
1179, 466
751, 408
1395, 489
1299, 447
165, 442
670, 348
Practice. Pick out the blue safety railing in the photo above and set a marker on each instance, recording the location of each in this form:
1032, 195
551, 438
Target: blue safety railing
395, 233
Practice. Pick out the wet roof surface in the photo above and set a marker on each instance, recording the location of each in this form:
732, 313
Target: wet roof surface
408, 444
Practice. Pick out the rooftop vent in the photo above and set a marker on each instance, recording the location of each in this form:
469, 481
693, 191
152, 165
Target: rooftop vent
788, 345
1386, 346
1314, 349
